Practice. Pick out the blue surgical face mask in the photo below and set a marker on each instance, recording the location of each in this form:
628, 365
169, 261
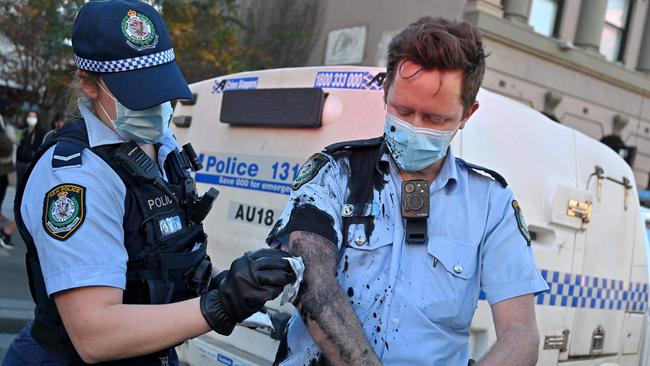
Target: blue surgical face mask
147, 126
413, 148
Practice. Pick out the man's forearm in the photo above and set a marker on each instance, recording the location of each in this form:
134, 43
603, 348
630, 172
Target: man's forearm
325, 308
518, 346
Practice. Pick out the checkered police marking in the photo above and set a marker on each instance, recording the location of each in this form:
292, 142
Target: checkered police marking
346, 80
590, 292
126, 64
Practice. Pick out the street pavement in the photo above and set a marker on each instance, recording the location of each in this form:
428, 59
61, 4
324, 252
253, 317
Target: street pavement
16, 306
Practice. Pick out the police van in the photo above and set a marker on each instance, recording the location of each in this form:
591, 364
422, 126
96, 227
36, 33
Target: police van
253, 131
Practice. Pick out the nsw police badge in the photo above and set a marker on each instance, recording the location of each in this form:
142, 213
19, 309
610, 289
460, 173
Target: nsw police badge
63, 211
523, 228
309, 170
139, 31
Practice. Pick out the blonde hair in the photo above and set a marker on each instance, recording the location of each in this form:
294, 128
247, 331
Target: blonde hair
76, 91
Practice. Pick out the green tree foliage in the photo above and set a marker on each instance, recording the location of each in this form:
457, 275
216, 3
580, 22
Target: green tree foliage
207, 37
37, 58
210, 37
217, 37
285, 31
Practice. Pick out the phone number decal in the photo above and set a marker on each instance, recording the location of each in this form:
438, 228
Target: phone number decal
346, 80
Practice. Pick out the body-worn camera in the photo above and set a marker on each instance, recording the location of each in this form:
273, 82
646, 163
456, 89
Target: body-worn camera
415, 210
415, 199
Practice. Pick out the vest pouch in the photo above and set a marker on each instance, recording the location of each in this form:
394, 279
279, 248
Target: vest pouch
184, 274
185, 240
160, 292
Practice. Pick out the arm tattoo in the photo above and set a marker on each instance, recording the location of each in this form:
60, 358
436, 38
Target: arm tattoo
324, 305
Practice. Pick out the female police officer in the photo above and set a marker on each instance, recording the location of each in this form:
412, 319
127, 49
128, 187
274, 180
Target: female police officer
116, 250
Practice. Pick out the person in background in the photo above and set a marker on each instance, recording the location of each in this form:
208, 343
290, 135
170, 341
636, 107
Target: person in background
31, 139
57, 122
6, 165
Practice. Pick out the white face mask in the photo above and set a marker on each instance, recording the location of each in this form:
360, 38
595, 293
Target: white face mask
415, 148
31, 121
147, 126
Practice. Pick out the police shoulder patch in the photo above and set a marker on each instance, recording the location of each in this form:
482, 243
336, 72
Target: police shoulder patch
523, 228
309, 170
64, 210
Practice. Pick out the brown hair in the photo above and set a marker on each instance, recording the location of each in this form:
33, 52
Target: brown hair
438, 43
76, 91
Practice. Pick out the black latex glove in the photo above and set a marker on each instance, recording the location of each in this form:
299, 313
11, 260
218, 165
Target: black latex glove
216, 279
253, 279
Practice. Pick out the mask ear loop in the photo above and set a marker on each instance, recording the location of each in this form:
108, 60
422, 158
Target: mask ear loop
100, 103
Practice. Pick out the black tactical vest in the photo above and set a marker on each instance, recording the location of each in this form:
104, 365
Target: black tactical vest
167, 260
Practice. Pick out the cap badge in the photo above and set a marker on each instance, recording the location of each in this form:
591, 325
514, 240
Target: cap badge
139, 31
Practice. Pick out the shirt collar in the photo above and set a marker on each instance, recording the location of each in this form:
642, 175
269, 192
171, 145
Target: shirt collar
98, 133
447, 177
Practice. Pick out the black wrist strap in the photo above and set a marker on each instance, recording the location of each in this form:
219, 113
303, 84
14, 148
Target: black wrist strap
416, 231
215, 314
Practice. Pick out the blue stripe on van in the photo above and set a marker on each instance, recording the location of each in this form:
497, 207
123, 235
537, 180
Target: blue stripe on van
591, 292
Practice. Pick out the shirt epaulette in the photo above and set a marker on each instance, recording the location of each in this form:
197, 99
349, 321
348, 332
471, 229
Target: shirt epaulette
70, 140
66, 154
484, 171
354, 145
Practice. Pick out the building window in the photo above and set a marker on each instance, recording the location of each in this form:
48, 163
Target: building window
545, 16
612, 42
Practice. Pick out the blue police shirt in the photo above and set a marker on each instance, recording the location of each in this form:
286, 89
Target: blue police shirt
416, 302
94, 255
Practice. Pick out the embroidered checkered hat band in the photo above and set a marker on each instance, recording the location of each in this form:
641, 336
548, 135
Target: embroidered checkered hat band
128, 64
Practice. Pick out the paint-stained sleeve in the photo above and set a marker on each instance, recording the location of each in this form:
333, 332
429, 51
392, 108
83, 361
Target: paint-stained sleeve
508, 267
79, 240
314, 204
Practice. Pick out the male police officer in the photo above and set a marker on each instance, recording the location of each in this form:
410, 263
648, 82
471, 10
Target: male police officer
116, 249
399, 237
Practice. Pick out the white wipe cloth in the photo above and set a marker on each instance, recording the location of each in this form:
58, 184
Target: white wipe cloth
289, 294
258, 320
290, 291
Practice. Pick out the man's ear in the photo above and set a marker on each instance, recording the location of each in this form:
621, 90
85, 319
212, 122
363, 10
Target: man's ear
471, 111
385, 86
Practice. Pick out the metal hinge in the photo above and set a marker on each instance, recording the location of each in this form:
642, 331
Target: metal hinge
579, 209
557, 341
597, 340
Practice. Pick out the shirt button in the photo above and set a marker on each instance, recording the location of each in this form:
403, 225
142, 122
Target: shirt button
458, 268
395, 321
347, 211
401, 278
359, 240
